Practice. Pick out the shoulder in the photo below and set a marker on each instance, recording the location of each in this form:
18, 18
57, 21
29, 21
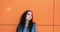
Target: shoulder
34, 25
19, 27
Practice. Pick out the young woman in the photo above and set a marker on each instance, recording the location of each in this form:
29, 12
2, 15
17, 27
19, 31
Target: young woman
26, 23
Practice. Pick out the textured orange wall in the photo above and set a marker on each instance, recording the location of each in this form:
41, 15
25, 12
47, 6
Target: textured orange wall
45, 12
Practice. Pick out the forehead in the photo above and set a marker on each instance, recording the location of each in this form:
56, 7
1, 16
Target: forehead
29, 12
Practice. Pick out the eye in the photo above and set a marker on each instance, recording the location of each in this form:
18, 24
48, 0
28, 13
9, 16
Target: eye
28, 14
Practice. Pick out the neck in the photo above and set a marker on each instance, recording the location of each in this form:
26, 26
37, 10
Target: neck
27, 22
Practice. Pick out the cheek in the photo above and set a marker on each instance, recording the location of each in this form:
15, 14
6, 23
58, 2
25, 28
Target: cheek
29, 17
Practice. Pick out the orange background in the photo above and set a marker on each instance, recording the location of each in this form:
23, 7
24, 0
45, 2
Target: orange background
46, 14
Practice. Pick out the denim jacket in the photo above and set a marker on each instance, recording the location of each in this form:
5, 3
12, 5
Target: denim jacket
26, 29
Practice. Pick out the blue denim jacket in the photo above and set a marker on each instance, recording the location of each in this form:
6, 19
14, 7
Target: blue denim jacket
26, 29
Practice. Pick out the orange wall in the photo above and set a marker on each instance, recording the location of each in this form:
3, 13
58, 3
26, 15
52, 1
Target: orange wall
57, 16
43, 12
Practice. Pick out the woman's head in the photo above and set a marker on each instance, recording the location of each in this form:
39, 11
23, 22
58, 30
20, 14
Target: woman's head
27, 15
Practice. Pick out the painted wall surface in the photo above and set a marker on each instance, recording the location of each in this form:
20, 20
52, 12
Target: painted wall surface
46, 13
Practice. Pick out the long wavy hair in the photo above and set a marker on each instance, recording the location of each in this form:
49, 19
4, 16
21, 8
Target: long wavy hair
22, 21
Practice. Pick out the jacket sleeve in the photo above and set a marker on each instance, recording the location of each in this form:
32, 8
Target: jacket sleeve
34, 28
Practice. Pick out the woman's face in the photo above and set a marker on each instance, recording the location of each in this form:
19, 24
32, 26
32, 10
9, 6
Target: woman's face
29, 16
